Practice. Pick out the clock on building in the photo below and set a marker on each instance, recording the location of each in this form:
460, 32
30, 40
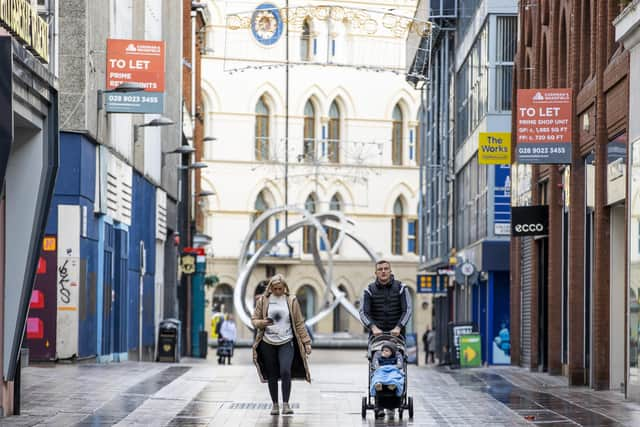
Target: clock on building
266, 24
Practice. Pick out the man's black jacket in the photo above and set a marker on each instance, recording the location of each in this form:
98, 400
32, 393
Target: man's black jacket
386, 306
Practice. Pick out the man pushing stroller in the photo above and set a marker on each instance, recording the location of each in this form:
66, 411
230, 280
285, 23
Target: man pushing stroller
386, 307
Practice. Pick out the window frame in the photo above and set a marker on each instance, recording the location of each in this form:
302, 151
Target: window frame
262, 131
309, 133
397, 135
310, 204
262, 233
397, 229
333, 134
305, 42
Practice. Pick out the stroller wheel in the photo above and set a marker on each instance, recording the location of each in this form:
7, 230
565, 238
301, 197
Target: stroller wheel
411, 408
364, 408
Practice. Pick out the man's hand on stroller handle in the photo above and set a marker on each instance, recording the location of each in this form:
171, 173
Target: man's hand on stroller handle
377, 331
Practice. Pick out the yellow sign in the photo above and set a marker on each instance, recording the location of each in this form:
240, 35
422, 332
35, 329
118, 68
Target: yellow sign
494, 148
19, 17
188, 264
49, 244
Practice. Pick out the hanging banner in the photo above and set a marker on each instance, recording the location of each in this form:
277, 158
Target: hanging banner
494, 148
543, 120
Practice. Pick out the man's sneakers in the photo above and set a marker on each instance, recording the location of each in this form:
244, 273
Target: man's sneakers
379, 413
275, 409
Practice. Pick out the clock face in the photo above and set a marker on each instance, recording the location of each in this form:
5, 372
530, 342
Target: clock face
266, 24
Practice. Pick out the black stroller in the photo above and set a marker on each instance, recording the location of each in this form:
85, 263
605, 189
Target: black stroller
386, 398
225, 351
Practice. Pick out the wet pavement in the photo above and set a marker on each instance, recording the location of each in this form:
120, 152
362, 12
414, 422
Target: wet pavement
203, 393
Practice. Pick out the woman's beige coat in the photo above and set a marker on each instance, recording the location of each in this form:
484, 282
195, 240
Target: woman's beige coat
300, 368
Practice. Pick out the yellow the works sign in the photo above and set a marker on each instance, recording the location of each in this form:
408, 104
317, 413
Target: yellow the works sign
21, 19
494, 148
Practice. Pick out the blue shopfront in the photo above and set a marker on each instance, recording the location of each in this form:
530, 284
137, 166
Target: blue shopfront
95, 257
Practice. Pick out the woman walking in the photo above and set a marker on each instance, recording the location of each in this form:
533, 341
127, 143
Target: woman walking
282, 344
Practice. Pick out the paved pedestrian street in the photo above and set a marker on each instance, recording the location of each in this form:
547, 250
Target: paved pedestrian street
203, 393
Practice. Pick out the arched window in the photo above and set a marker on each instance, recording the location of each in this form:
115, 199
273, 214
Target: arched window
340, 314
262, 233
306, 297
222, 300
310, 205
396, 136
305, 42
334, 133
334, 205
396, 228
262, 130
309, 149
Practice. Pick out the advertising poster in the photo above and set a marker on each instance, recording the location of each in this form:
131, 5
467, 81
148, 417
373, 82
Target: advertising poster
502, 201
543, 120
135, 61
494, 148
470, 351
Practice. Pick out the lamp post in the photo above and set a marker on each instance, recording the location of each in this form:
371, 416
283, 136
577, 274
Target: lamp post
191, 293
156, 122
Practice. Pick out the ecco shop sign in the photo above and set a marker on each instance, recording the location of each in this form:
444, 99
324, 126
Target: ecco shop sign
530, 221
22, 20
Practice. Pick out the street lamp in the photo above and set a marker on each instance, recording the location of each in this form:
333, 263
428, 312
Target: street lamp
183, 149
194, 165
157, 122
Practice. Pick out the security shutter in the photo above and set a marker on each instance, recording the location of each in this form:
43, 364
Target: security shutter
526, 280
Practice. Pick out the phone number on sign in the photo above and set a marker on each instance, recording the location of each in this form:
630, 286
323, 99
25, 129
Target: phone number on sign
542, 150
134, 98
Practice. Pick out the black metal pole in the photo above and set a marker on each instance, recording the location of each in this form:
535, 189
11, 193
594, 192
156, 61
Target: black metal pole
286, 132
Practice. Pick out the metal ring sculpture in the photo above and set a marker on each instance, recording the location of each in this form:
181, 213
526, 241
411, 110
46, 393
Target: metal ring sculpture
244, 303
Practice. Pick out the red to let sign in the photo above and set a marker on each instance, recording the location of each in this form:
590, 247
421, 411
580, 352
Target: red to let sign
135, 61
543, 120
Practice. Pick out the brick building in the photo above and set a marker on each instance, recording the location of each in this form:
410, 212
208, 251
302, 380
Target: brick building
569, 287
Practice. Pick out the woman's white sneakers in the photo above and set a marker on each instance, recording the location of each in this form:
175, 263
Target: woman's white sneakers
286, 409
275, 409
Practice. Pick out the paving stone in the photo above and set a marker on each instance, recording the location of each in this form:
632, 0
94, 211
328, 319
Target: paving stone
202, 393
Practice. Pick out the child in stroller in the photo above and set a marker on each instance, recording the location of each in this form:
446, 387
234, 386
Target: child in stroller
387, 364
387, 377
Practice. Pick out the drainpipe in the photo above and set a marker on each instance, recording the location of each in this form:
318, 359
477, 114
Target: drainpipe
143, 268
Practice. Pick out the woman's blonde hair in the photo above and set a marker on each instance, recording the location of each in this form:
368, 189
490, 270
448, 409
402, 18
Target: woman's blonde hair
277, 279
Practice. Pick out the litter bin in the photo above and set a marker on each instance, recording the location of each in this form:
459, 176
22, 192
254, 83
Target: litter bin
169, 341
